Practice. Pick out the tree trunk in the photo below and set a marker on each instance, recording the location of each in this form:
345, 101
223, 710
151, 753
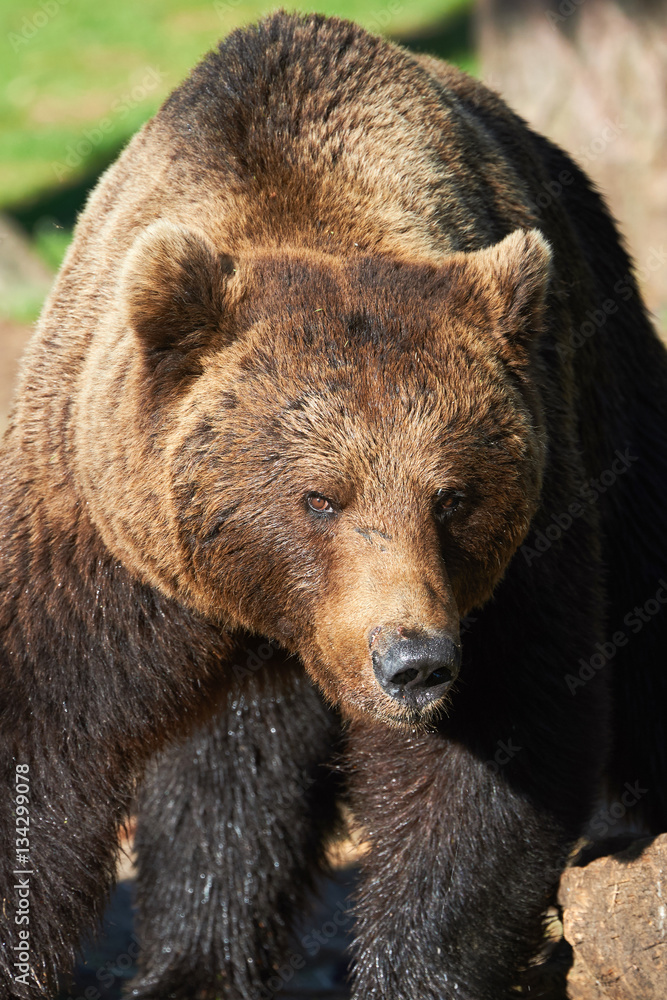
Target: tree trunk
592, 75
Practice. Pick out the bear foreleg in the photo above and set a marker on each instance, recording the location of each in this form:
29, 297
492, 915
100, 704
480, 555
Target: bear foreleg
230, 834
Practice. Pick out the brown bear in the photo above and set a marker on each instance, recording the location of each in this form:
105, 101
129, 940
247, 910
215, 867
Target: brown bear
296, 508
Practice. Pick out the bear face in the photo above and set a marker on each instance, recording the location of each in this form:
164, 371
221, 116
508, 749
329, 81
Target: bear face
272, 376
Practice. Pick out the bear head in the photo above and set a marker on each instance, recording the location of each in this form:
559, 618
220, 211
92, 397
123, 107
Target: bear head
341, 453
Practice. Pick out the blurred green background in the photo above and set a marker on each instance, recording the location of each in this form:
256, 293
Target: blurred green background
79, 78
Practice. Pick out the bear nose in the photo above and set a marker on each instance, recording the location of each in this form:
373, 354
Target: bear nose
417, 669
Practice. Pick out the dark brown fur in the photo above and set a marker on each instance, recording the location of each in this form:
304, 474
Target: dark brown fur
319, 269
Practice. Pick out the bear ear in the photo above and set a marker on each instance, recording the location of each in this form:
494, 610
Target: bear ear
175, 288
512, 278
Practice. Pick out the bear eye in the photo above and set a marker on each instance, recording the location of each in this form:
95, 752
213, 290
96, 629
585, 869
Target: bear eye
446, 502
320, 504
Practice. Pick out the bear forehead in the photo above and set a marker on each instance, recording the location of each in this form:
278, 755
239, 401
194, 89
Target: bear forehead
336, 359
365, 290
343, 400
325, 321
356, 367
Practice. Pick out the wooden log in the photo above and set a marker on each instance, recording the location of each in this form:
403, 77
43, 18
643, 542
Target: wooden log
615, 919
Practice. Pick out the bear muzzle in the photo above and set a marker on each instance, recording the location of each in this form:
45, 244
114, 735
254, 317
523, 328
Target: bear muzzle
416, 669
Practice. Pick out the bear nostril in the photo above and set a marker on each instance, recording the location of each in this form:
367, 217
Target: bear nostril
440, 676
405, 676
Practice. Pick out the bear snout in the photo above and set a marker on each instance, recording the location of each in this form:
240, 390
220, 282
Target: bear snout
417, 669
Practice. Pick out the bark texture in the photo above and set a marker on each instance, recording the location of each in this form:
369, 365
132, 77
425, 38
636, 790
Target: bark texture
615, 919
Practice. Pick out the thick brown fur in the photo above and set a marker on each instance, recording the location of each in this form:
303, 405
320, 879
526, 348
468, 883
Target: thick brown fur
319, 271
